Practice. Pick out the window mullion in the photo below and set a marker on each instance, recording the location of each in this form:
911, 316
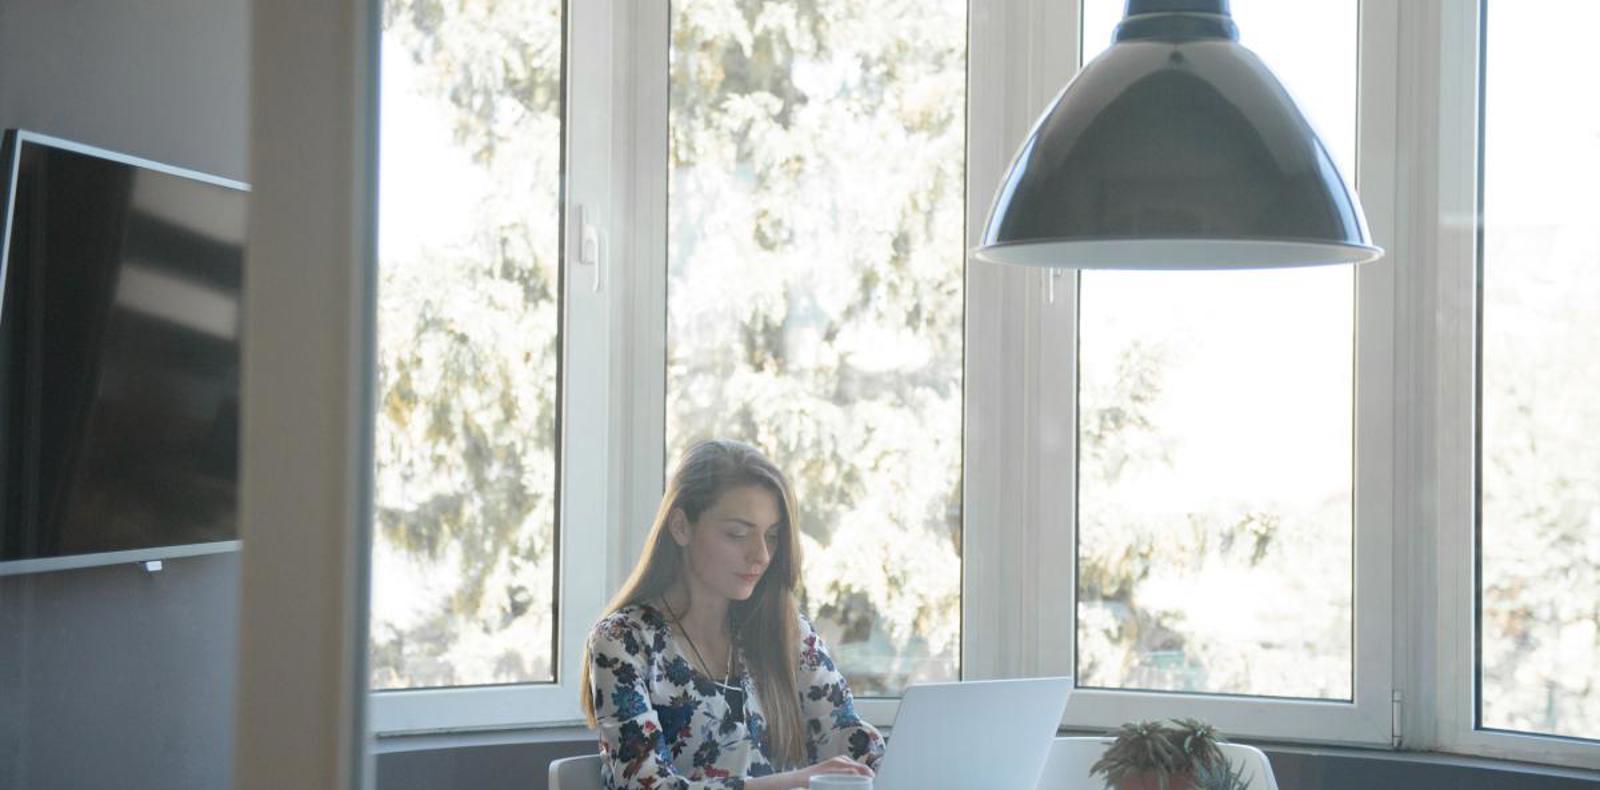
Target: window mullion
640, 228
1052, 434
1452, 30
1016, 548
1378, 387
1422, 369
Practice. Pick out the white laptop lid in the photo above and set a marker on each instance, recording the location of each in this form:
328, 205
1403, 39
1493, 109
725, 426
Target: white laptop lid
977, 735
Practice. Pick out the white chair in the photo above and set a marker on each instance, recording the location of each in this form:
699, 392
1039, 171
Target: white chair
1068, 765
577, 773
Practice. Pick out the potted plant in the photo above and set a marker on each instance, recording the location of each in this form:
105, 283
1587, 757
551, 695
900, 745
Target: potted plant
1220, 775
1143, 757
1198, 742
1147, 755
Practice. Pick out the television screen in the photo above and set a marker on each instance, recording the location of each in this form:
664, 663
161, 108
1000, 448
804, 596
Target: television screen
119, 357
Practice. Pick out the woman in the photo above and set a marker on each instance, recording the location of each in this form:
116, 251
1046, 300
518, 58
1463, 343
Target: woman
703, 674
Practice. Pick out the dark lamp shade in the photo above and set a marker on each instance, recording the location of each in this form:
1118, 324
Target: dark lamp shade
1175, 149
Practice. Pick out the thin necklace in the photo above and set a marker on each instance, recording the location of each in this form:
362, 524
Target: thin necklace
728, 675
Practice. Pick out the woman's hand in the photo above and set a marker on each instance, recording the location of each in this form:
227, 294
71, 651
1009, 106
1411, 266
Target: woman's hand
802, 778
833, 765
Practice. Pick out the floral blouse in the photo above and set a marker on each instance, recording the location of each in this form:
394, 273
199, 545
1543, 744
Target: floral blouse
665, 726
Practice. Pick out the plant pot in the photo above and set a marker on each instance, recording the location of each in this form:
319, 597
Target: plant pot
1152, 781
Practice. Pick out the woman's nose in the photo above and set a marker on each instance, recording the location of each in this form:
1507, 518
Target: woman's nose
761, 553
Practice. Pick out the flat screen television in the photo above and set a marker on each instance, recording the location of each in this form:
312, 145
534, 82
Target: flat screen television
120, 315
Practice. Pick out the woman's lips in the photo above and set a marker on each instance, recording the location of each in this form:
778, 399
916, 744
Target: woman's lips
750, 577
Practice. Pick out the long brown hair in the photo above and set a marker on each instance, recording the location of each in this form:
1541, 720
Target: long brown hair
767, 621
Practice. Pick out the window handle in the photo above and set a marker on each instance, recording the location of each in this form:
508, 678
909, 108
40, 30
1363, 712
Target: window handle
589, 244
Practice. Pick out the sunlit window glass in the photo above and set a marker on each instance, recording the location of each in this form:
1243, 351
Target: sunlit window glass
463, 548
1215, 427
815, 295
1539, 650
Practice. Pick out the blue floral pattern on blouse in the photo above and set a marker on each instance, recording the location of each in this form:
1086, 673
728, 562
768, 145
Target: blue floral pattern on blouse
663, 726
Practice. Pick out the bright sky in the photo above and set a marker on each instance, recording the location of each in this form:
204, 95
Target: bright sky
1543, 136
1541, 260
428, 188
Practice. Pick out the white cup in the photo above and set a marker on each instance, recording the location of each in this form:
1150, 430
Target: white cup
841, 782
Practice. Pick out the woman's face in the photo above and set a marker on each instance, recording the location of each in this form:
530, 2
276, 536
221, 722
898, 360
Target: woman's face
730, 546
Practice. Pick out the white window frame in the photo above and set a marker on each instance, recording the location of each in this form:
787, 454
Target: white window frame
1415, 420
1367, 719
591, 303
1453, 27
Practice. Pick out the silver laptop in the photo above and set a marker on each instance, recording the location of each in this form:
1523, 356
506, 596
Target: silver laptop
977, 735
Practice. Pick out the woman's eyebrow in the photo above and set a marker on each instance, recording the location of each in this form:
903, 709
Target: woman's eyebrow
750, 524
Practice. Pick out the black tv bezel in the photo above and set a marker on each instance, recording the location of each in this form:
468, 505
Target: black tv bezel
10, 155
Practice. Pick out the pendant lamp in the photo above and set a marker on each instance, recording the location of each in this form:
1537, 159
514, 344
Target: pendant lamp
1176, 148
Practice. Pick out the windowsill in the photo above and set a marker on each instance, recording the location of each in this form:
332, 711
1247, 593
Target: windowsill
1442, 759
427, 741
577, 733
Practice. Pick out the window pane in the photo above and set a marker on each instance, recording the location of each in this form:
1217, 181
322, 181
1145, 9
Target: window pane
463, 549
1539, 648
1215, 528
815, 296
